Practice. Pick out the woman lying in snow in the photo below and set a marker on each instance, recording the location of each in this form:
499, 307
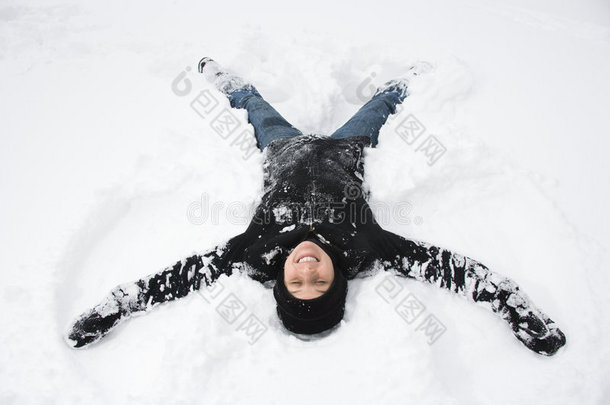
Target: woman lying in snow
313, 231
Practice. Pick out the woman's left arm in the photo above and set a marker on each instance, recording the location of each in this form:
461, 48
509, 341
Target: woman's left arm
138, 297
475, 282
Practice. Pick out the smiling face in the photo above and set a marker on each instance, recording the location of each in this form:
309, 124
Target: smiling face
308, 271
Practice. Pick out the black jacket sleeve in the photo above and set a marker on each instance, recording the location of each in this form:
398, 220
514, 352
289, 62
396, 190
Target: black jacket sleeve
475, 282
138, 297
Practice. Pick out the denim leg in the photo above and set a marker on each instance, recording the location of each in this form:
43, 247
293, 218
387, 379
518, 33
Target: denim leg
268, 124
370, 117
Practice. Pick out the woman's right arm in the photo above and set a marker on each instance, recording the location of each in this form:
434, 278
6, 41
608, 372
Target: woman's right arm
472, 280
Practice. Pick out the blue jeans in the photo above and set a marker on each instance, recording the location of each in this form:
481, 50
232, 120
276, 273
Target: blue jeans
269, 125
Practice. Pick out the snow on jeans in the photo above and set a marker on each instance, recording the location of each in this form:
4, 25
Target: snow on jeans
269, 125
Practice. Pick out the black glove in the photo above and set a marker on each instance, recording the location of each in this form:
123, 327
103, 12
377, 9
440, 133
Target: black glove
94, 324
539, 333
530, 325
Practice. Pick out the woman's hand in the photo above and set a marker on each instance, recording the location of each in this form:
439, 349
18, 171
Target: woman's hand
539, 333
530, 325
94, 324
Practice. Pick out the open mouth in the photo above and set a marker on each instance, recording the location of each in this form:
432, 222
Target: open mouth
307, 259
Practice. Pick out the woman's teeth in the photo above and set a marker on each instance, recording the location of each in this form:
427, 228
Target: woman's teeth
307, 259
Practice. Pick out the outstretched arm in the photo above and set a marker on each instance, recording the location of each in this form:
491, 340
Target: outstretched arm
135, 298
474, 281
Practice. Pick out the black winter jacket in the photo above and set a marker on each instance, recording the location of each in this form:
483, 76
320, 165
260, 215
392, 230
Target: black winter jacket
315, 184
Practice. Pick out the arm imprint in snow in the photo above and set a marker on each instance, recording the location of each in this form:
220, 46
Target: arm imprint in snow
475, 282
138, 297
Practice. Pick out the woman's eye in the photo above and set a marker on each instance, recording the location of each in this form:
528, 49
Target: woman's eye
321, 282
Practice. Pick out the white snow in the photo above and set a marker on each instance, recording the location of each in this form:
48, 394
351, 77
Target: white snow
102, 156
287, 228
268, 256
282, 213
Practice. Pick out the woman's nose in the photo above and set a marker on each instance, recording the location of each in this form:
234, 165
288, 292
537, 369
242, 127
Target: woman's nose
309, 266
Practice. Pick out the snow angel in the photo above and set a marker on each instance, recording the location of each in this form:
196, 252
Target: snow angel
314, 230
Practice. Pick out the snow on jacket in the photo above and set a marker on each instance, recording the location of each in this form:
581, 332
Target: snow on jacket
314, 184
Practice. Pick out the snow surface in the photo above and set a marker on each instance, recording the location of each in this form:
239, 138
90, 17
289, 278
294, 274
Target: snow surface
102, 160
